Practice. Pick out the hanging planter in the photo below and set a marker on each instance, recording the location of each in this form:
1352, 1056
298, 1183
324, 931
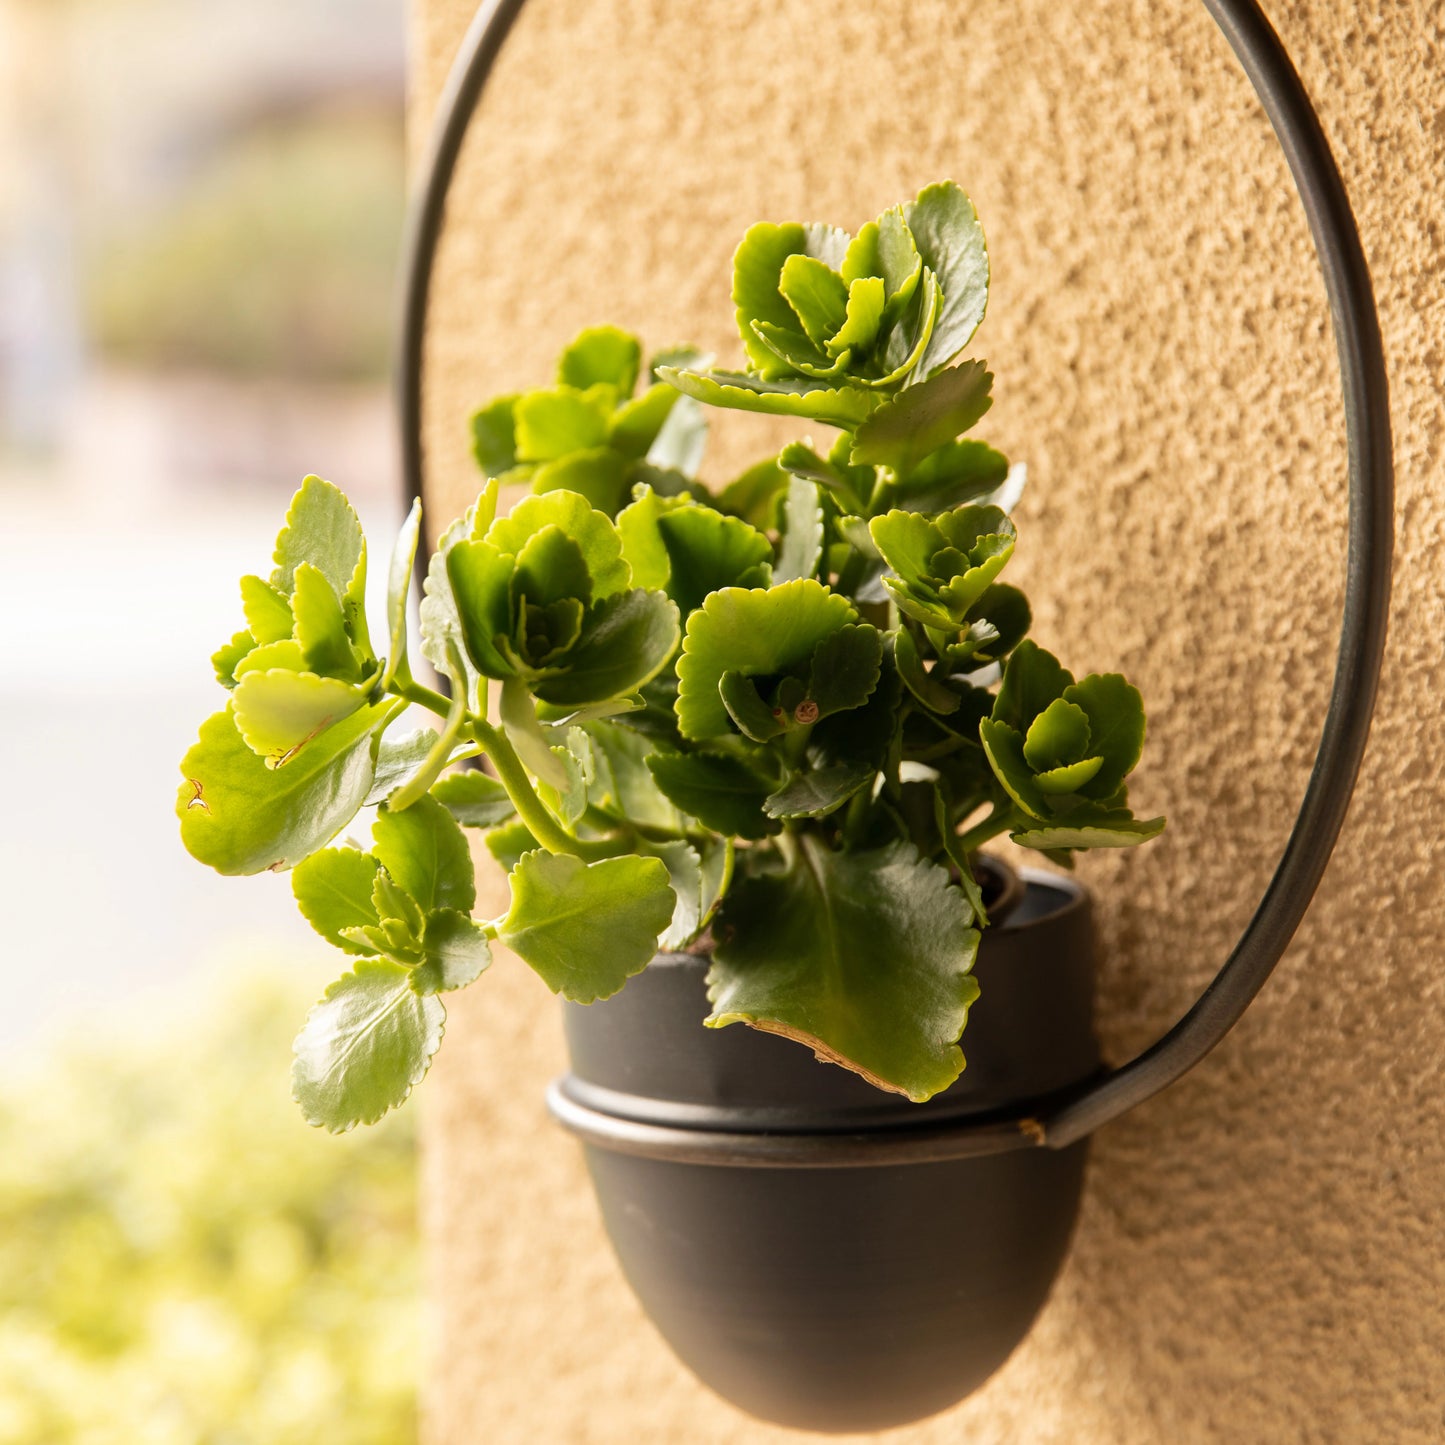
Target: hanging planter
745, 746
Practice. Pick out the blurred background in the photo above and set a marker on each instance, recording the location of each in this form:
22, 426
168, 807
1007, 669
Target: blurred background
200, 209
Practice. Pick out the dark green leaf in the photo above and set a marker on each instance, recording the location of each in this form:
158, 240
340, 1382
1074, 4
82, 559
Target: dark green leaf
817, 792
1004, 746
586, 928
1116, 727
862, 956
625, 644
927, 687
364, 1047
754, 496
718, 789
1032, 679
755, 718
922, 418
844, 668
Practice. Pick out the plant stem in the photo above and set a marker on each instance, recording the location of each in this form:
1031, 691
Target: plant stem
530, 808
990, 827
421, 695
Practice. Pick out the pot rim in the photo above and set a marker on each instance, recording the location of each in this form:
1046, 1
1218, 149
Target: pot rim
582, 1107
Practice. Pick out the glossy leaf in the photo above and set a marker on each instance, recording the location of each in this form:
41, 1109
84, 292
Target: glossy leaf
628, 643
586, 928
593, 533
322, 529
321, 629
456, 953
425, 851
398, 587
333, 890
474, 799
818, 791
923, 418
946, 230
801, 548
718, 789
754, 632
364, 1047
280, 713
267, 609
844, 406
862, 956
239, 816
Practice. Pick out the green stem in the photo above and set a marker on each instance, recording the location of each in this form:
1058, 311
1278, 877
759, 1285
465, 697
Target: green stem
530, 808
423, 696
990, 827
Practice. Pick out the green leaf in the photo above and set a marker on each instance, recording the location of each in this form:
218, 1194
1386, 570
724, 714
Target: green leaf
625, 643
862, 956
550, 424
472, 606
1058, 735
572, 515
634, 425
1032, 679
927, 687
755, 632
909, 338
1007, 611
817, 296
601, 354
321, 627
757, 266
844, 668
226, 659
922, 418
400, 914
322, 529
286, 655
443, 746
718, 789
509, 843
599, 474
802, 543
517, 712
268, 613
754, 495
844, 406
398, 759
579, 764
800, 460
239, 816
333, 891
754, 717
586, 928
474, 799
953, 847
425, 851
682, 438
684, 873
864, 315
1107, 831
398, 588
456, 953
946, 230
280, 713
624, 787
817, 792
494, 436
957, 473
1115, 711
364, 1047
1004, 746
440, 618
689, 550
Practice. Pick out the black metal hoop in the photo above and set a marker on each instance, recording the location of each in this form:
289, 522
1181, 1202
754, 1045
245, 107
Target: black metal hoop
1055, 1123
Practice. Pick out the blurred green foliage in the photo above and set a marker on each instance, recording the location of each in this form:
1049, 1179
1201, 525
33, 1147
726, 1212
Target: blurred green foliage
277, 259
184, 1262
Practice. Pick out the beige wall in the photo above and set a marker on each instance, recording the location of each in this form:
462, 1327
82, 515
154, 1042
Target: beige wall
1261, 1255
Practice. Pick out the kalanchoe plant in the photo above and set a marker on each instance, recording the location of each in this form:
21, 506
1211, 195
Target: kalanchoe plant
773, 723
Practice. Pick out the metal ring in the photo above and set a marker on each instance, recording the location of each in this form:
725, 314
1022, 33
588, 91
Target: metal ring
1367, 572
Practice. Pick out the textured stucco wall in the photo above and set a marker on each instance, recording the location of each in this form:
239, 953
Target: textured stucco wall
1260, 1256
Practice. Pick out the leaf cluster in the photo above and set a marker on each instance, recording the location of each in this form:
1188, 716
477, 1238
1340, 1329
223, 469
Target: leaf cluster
773, 722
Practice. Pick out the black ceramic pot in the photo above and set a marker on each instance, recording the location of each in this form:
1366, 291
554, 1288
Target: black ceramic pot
769, 1211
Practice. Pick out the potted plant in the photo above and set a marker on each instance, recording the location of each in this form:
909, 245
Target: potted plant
752, 737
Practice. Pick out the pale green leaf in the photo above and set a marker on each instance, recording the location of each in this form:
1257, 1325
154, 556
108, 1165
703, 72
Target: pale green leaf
601, 354
920, 419
398, 588
801, 548
550, 424
946, 230
844, 406
268, 613
333, 890
322, 529
364, 1047
280, 713
425, 851
474, 799
239, 816
321, 629
590, 529
456, 953
226, 659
